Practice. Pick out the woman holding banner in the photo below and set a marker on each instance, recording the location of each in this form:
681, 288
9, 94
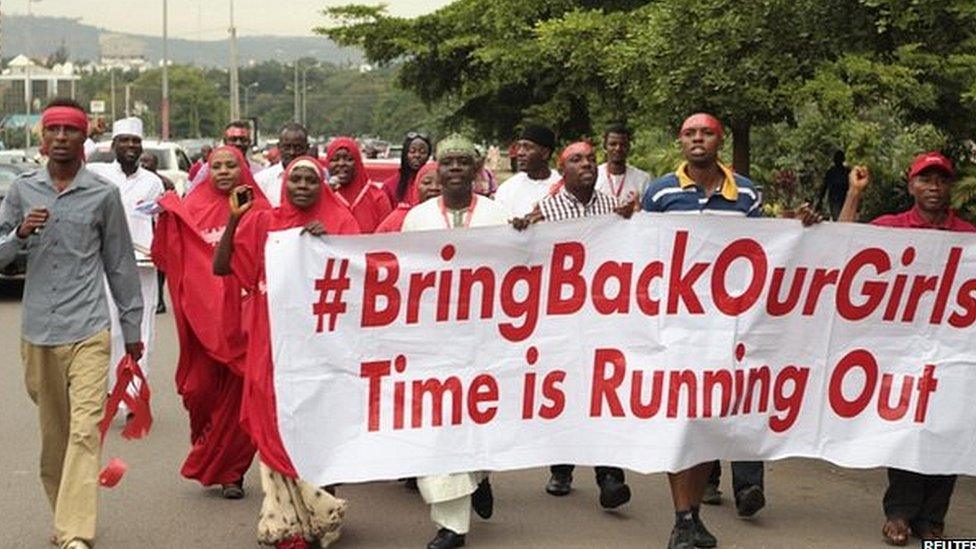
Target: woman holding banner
207, 309
294, 513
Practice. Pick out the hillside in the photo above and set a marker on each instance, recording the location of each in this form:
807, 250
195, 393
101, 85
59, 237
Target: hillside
46, 34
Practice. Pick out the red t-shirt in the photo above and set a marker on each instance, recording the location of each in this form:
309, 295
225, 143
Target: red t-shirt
912, 219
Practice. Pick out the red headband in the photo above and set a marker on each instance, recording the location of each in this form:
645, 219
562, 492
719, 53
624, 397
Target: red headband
235, 131
705, 120
65, 116
580, 147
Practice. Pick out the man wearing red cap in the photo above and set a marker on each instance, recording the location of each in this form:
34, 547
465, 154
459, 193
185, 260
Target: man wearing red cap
915, 503
703, 185
73, 226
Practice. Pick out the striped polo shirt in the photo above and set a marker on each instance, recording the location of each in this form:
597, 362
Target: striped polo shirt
563, 205
678, 193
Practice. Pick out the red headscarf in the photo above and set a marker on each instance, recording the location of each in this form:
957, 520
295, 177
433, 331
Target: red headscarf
367, 201
258, 410
209, 207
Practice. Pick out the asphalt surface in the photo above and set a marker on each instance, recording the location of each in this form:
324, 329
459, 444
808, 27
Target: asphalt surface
810, 503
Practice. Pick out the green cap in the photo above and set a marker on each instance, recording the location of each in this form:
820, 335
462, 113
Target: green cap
456, 144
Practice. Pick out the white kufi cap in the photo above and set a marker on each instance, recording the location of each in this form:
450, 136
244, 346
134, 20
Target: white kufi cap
127, 126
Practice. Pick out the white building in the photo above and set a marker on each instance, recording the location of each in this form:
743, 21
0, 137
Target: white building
45, 83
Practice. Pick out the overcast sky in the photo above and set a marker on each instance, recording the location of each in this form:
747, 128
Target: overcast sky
207, 20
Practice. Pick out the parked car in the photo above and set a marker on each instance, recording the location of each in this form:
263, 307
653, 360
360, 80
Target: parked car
9, 172
173, 160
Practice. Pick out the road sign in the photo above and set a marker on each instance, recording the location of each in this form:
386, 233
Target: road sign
97, 107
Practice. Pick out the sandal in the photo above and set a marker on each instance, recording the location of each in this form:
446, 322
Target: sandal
895, 532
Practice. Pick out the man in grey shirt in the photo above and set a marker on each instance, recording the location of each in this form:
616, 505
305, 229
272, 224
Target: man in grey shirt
74, 229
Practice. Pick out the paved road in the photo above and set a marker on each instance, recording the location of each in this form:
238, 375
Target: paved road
811, 504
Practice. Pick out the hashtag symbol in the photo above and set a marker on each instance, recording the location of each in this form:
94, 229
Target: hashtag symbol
331, 287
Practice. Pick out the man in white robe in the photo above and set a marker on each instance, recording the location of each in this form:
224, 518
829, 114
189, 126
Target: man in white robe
140, 189
451, 497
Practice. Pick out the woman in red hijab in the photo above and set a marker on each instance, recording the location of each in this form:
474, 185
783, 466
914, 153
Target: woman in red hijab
427, 186
366, 200
207, 309
294, 512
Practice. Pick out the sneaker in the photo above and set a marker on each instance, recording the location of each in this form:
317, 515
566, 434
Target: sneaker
613, 493
713, 496
749, 501
233, 491
682, 535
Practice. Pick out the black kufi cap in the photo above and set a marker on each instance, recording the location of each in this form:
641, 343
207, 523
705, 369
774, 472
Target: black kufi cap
539, 135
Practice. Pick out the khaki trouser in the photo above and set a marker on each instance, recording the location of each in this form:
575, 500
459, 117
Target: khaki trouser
67, 382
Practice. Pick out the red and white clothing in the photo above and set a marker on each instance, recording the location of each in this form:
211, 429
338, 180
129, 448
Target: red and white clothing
270, 181
626, 187
449, 496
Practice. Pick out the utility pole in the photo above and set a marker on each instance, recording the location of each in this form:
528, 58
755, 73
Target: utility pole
235, 97
298, 114
111, 73
128, 100
304, 95
28, 92
164, 106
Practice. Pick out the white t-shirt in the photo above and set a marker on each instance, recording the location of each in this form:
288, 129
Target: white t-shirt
269, 179
140, 191
431, 215
520, 193
626, 187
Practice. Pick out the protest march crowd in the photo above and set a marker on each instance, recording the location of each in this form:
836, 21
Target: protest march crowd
98, 235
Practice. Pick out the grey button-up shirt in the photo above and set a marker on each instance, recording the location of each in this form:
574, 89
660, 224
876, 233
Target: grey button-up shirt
85, 240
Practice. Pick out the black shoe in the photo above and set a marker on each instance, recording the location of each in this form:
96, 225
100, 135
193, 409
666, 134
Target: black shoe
613, 493
233, 491
482, 500
411, 484
559, 484
682, 535
446, 539
703, 538
713, 496
749, 501
161, 308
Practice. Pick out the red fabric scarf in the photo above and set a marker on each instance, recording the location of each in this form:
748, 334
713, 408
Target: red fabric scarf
259, 412
207, 310
367, 201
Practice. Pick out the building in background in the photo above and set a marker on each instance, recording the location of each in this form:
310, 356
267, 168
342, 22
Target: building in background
45, 83
122, 52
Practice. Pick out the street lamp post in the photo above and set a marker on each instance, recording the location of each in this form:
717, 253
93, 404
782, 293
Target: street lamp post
235, 98
164, 106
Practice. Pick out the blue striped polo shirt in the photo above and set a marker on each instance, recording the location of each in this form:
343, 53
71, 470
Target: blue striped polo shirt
677, 193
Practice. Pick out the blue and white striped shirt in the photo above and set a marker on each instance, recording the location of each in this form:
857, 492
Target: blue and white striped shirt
678, 193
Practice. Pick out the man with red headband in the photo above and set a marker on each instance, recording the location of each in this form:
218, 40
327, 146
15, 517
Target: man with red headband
237, 134
703, 185
576, 196
73, 225
915, 504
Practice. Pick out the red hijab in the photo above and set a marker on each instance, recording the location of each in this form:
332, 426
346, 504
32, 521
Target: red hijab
259, 414
209, 207
367, 201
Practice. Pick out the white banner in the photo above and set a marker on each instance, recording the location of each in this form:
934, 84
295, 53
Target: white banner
651, 344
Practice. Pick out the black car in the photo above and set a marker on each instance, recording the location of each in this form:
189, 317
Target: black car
9, 172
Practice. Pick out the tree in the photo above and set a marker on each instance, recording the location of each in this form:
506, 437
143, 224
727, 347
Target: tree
196, 107
576, 63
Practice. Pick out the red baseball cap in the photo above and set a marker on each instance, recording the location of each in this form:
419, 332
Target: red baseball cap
931, 160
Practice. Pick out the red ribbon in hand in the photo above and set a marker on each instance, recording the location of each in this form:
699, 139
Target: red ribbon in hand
138, 426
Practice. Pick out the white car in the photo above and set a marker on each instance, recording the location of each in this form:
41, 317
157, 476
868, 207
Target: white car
173, 160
